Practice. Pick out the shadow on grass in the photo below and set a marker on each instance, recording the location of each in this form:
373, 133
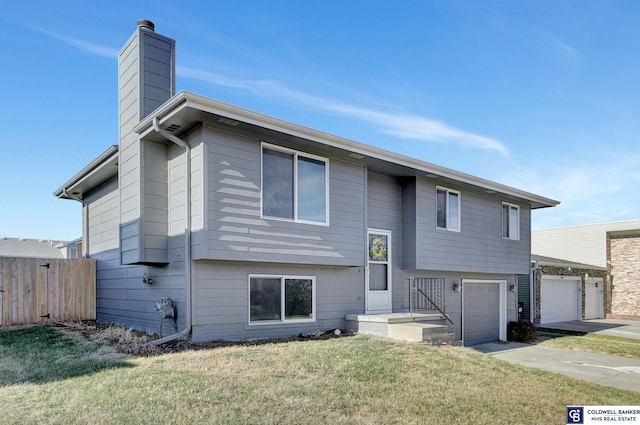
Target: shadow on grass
43, 353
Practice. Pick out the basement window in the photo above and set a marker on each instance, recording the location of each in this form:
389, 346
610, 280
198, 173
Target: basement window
281, 299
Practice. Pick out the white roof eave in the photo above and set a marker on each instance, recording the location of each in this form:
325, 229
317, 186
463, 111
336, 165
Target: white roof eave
184, 100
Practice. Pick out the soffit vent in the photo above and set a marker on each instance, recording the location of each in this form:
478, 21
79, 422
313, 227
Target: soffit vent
173, 127
228, 121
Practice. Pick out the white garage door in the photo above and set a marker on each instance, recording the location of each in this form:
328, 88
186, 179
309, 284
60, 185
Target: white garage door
483, 319
559, 299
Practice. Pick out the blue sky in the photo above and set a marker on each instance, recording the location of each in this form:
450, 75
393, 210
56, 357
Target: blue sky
540, 95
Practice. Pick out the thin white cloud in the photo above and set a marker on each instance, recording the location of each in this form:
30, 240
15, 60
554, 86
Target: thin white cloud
590, 189
83, 45
402, 125
568, 52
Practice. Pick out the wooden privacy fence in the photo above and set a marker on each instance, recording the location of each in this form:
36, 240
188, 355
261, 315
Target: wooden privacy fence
34, 290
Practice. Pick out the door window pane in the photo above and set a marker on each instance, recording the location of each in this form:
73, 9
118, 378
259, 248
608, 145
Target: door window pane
378, 277
378, 247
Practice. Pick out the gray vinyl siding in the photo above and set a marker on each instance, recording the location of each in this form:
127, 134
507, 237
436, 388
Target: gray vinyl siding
221, 298
158, 56
384, 212
103, 211
235, 230
453, 299
478, 246
155, 204
122, 298
409, 224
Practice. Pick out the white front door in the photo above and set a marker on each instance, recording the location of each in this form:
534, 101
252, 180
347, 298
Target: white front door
593, 298
378, 275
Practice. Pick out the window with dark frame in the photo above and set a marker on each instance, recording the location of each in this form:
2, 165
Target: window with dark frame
281, 298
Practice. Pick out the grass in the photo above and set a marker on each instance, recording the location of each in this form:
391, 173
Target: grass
593, 343
40, 354
356, 380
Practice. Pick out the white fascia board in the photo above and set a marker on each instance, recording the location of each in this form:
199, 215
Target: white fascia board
91, 169
189, 100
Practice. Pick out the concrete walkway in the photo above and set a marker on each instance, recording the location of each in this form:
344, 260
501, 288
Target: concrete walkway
619, 372
620, 328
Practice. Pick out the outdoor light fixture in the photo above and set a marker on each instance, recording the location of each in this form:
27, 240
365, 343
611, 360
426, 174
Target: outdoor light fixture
456, 286
512, 287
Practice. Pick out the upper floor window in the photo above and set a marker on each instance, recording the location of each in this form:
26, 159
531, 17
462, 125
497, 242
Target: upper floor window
510, 221
447, 209
294, 185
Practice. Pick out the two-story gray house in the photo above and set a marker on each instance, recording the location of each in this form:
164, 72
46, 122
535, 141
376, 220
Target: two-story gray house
209, 221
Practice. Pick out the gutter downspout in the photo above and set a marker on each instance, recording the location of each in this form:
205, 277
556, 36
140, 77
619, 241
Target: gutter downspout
85, 230
532, 291
187, 236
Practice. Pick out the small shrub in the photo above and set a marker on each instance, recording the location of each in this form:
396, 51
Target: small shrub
521, 332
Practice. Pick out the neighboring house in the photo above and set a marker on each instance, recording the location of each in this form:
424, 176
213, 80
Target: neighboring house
238, 225
613, 252
32, 248
565, 291
71, 249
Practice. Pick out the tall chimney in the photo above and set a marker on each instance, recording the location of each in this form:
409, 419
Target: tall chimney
146, 80
146, 76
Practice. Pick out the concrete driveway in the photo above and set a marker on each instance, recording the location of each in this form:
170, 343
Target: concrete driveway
619, 372
621, 328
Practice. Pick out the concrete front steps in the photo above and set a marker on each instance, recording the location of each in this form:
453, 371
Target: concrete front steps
412, 327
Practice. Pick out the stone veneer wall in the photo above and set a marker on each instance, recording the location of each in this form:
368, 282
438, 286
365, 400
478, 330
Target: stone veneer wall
565, 271
624, 254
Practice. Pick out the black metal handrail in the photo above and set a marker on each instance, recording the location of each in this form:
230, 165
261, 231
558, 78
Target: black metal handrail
420, 291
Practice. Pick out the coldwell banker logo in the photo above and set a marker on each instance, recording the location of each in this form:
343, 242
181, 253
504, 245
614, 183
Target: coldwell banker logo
575, 415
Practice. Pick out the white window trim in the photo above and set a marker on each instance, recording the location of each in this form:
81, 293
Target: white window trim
282, 321
517, 207
448, 191
295, 154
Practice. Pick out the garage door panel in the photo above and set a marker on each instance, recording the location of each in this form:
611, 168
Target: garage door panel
559, 300
481, 313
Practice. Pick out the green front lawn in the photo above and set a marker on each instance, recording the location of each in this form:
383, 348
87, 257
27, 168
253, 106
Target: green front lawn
355, 380
592, 343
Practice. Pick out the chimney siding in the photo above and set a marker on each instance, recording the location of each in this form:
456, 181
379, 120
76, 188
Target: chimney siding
146, 80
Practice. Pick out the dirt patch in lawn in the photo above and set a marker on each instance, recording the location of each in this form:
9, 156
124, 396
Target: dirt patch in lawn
137, 343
